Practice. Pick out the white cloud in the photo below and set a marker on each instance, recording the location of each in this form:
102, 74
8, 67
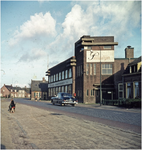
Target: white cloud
116, 19
38, 25
33, 55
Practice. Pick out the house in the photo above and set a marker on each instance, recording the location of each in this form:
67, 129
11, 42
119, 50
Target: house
27, 92
15, 92
5, 91
39, 89
131, 80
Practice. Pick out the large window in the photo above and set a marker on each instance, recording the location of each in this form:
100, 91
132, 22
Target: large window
62, 75
87, 69
87, 92
94, 69
66, 89
62, 88
70, 73
69, 89
90, 69
59, 75
54, 78
92, 92
129, 90
66, 74
120, 90
106, 69
137, 95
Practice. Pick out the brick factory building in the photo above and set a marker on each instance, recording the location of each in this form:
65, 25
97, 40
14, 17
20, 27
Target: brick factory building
81, 74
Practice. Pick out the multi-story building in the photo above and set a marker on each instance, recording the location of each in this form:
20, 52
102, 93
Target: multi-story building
39, 89
93, 73
61, 77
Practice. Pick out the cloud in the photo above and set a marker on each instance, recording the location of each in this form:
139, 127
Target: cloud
38, 25
116, 19
33, 55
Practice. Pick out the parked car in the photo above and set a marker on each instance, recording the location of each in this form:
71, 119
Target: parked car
64, 98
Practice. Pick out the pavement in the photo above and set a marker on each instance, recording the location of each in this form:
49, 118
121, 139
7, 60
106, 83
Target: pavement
34, 128
107, 107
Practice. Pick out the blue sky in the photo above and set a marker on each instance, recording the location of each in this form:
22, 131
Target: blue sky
34, 33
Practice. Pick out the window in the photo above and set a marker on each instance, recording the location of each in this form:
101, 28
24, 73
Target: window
69, 88
62, 74
49, 79
94, 69
66, 89
129, 90
137, 95
92, 92
87, 92
120, 90
62, 88
106, 69
66, 74
59, 75
49, 92
90, 69
81, 70
87, 69
56, 90
54, 78
70, 73
107, 47
59, 89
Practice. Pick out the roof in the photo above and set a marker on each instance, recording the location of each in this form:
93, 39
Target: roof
16, 88
27, 90
39, 86
9, 87
135, 61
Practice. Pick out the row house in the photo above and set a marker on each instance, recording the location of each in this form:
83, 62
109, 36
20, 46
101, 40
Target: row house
130, 87
15, 92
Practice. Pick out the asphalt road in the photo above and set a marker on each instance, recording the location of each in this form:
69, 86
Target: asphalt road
112, 116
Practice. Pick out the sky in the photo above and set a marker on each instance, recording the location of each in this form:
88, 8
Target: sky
36, 35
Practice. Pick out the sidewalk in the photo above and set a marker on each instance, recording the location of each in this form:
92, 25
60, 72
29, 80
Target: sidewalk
34, 128
108, 107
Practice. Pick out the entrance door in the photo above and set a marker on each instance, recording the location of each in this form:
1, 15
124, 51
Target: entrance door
97, 96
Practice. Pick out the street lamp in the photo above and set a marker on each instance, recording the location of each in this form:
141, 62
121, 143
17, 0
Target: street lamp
100, 79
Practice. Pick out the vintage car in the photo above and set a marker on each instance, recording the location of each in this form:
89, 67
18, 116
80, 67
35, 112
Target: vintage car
64, 98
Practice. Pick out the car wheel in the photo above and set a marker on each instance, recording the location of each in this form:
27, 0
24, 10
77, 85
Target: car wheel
73, 104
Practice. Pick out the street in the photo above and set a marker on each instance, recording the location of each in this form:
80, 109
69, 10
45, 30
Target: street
57, 127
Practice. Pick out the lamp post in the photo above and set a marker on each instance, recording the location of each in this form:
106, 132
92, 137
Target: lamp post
100, 79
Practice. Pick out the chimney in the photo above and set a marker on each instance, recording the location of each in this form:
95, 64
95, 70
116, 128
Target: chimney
129, 52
